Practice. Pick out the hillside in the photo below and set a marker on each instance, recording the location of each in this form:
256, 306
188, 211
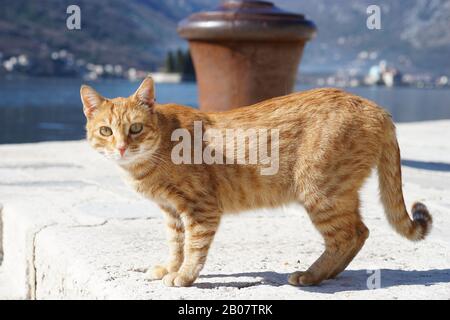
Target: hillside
138, 33
414, 36
134, 33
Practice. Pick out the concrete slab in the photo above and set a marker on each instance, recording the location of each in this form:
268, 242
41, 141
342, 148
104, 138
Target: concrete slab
73, 229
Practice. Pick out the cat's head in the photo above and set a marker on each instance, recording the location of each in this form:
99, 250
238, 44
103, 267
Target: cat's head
122, 129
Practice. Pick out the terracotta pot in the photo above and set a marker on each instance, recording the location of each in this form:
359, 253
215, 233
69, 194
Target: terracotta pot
245, 52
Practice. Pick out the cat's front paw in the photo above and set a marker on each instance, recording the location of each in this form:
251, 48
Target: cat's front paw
175, 279
156, 273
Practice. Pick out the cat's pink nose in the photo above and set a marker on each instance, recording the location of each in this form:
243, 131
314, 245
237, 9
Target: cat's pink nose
122, 150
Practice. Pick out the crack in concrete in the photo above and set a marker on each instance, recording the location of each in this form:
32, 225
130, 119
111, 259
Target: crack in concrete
32, 281
132, 218
41, 165
89, 225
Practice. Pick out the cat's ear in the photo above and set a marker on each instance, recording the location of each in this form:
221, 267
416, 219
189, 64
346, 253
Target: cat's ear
91, 100
145, 94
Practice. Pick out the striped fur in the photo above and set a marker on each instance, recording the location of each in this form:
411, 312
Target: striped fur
329, 142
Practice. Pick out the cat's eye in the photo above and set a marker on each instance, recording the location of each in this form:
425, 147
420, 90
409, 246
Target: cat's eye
105, 131
136, 128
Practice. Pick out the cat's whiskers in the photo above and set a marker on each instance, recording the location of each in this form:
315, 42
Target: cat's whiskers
160, 160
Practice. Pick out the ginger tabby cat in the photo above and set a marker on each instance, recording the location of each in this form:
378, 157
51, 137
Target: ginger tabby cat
329, 141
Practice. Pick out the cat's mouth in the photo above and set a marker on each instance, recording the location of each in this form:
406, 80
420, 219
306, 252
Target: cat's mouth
129, 157
124, 159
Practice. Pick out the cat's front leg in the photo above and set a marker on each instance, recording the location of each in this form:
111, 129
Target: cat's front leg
175, 238
200, 229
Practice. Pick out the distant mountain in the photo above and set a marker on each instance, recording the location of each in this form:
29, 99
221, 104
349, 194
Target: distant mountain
133, 33
415, 34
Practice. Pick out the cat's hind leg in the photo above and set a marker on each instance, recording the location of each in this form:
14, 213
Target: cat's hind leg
175, 236
362, 233
344, 234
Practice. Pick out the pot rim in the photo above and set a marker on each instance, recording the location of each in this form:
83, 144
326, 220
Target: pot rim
247, 20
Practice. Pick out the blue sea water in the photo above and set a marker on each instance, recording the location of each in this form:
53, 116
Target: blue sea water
34, 110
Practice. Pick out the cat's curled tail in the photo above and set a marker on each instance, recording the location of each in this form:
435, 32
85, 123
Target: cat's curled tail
390, 180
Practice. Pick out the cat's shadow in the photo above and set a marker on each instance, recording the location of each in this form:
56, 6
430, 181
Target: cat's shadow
349, 280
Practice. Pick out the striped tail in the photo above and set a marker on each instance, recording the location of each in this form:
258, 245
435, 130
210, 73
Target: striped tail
390, 180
